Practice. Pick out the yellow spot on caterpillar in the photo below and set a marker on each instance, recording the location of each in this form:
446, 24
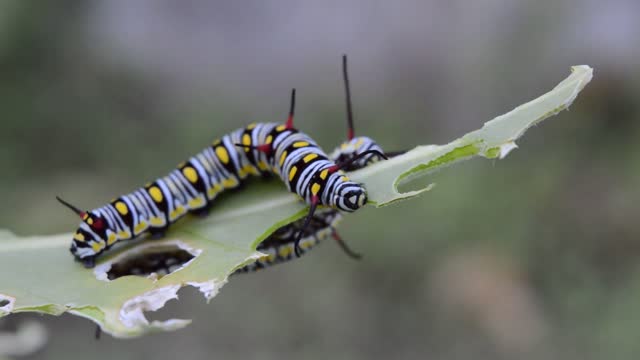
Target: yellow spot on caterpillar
306, 244
122, 208
156, 194
269, 139
344, 146
251, 126
142, 226
292, 172
270, 258
212, 192
344, 178
246, 170
315, 188
85, 216
78, 236
309, 157
283, 157
177, 212
285, 251
222, 154
281, 128
191, 174
156, 221
299, 144
196, 203
324, 173
359, 142
263, 166
97, 246
216, 142
230, 183
124, 235
246, 140
90, 221
112, 238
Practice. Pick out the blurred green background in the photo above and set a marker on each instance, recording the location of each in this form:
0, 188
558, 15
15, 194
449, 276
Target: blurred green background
535, 256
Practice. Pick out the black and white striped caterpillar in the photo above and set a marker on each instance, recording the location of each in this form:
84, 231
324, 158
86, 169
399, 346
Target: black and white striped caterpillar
257, 149
279, 247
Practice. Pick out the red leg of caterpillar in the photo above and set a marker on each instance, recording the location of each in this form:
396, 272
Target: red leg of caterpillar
312, 209
289, 123
337, 167
352, 254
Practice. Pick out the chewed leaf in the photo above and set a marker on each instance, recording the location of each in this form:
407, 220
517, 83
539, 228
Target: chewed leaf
494, 140
37, 274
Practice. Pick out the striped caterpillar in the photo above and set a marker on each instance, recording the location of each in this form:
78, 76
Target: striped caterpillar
279, 247
258, 149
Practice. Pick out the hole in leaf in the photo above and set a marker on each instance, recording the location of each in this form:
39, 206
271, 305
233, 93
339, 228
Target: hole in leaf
6, 303
156, 261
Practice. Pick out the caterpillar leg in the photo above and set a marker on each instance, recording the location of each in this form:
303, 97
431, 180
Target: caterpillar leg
202, 212
344, 164
314, 205
157, 233
88, 262
343, 245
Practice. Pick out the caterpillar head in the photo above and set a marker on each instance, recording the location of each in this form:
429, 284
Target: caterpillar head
89, 240
349, 196
351, 148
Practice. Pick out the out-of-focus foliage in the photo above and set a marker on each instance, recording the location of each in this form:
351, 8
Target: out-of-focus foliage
25, 338
99, 97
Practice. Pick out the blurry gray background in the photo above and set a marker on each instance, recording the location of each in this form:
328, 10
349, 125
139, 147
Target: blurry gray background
534, 256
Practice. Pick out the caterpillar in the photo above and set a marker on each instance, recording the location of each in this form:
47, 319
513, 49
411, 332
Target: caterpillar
279, 247
258, 149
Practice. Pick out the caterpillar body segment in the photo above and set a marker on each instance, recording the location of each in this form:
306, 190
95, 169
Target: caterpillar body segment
279, 246
293, 156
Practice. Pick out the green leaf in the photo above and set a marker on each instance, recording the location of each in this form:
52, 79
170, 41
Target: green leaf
37, 273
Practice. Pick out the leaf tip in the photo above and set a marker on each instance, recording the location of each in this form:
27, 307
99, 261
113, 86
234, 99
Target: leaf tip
506, 148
